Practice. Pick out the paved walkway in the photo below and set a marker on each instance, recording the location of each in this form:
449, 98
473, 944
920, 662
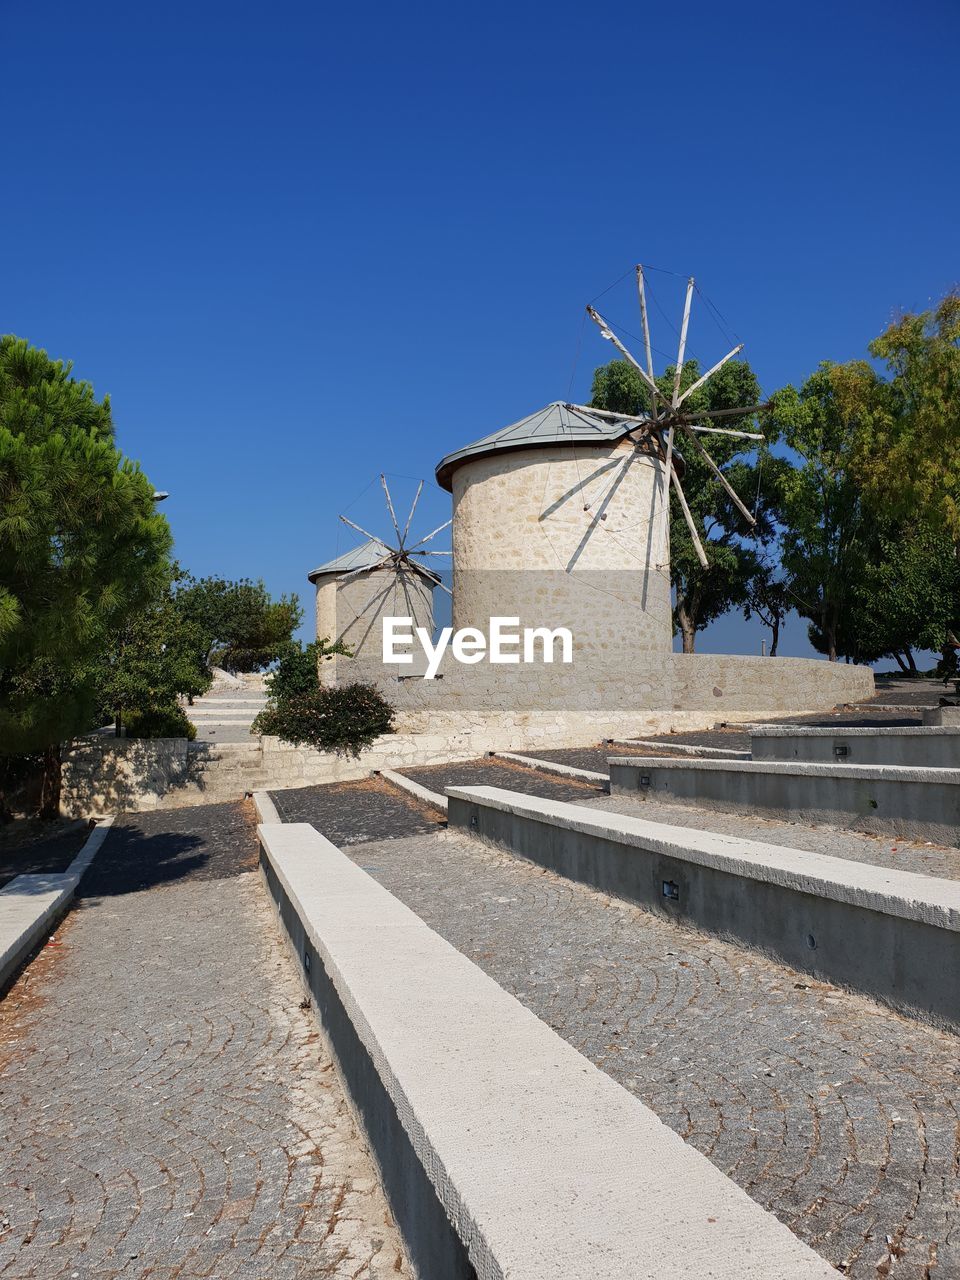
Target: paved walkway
838, 1115
167, 1108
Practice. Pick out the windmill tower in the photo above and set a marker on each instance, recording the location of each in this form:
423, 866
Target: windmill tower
375, 580
562, 518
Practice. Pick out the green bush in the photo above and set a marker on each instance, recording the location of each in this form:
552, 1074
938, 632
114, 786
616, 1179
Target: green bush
344, 720
296, 672
166, 722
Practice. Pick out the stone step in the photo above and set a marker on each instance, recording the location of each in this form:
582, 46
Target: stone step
506, 1151
913, 746
892, 934
916, 803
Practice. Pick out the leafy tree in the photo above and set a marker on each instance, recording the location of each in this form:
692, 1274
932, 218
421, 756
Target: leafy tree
768, 598
82, 548
827, 533
247, 628
908, 454
158, 657
344, 720
701, 595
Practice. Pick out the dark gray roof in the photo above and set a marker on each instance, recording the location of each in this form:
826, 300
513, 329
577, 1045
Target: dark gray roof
366, 556
555, 424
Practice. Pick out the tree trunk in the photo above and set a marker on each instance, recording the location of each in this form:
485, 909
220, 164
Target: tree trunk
900, 663
687, 629
774, 637
50, 786
912, 662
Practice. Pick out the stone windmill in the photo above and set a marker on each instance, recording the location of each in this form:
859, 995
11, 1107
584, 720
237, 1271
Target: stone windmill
562, 518
375, 580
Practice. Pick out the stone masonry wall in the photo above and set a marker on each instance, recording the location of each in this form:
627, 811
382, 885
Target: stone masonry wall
682, 691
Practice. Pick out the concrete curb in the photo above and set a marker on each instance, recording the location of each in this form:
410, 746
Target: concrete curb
31, 904
910, 746
423, 794
504, 1151
266, 809
916, 803
685, 748
553, 766
892, 934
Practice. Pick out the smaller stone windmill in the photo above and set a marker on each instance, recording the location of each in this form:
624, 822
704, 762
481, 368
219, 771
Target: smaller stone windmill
373, 581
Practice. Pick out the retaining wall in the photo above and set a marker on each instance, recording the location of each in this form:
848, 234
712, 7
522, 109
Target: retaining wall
917, 804
892, 934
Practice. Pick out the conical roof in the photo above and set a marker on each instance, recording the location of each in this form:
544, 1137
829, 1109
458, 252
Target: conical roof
367, 556
558, 423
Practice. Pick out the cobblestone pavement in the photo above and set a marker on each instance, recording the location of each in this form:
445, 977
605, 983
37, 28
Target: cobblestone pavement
31, 850
881, 851
501, 773
836, 1114
168, 1109
349, 812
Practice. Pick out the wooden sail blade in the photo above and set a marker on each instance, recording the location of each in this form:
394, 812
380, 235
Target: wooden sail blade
642, 418
681, 350
360, 529
393, 514
745, 411
727, 431
697, 544
734, 496
695, 386
439, 529
416, 499
607, 332
644, 319
366, 568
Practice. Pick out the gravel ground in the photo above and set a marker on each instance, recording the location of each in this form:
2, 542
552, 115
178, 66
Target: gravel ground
833, 1112
168, 1107
31, 847
352, 812
501, 773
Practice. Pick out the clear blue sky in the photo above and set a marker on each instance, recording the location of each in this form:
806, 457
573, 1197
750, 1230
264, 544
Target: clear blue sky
300, 244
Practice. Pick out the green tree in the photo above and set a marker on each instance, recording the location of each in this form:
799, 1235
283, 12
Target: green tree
82, 548
827, 532
247, 628
908, 454
769, 599
702, 595
158, 657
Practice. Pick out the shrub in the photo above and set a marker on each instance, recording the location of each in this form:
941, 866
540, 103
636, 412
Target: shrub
344, 720
164, 722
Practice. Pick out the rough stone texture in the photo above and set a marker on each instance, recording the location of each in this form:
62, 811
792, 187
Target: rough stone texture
838, 1115
565, 536
352, 610
168, 1108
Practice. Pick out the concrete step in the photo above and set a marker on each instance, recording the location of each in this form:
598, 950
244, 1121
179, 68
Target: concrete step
506, 1152
892, 934
916, 803
912, 746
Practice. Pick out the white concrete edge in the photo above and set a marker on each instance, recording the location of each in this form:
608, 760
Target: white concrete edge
881, 731
552, 766
799, 768
266, 809
926, 899
422, 793
686, 748
547, 1168
30, 903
